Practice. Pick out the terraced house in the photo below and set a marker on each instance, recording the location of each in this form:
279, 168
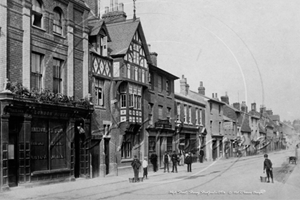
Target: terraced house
44, 117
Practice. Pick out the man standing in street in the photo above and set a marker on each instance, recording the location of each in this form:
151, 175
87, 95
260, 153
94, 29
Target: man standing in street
268, 168
201, 155
153, 160
174, 161
166, 161
188, 160
136, 166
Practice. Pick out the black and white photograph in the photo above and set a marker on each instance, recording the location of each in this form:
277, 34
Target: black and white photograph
149, 99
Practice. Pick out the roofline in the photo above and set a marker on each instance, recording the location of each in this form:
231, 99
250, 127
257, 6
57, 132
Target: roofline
179, 96
161, 70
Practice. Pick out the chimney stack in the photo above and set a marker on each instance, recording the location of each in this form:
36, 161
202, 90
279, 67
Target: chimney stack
153, 56
184, 87
236, 106
225, 98
115, 13
216, 95
253, 106
269, 112
262, 109
201, 89
244, 107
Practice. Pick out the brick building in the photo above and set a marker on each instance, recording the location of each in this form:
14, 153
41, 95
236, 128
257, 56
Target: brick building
161, 100
190, 124
44, 117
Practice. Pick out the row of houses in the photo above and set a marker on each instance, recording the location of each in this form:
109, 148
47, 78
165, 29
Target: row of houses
83, 94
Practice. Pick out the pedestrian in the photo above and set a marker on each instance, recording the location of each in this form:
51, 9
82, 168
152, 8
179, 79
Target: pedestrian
174, 161
268, 168
136, 166
181, 159
201, 155
167, 160
188, 160
153, 160
226, 152
145, 168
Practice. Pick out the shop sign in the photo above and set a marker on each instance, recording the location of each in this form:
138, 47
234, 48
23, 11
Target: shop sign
163, 124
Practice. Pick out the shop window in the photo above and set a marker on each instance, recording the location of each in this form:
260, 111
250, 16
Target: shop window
152, 144
36, 75
99, 92
57, 21
48, 145
57, 76
127, 146
37, 13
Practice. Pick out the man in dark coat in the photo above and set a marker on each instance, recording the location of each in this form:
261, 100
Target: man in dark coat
268, 168
201, 155
188, 160
174, 159
153, 160
136, 164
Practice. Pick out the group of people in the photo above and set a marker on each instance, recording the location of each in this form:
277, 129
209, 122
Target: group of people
177, 159
174, 158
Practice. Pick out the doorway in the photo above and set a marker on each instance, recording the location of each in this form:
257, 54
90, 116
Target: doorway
13, 152
106, 152
77, 147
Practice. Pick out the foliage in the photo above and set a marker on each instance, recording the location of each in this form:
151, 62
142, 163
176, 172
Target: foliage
45, 96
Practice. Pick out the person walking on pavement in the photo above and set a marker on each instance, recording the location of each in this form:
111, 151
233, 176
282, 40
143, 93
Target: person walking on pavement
188, 161
167, 160
268, 168
201, 155
153, 160
174, 161
145, 168
136, 166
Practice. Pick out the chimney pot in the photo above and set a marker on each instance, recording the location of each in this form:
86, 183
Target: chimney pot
213, 95
201, 89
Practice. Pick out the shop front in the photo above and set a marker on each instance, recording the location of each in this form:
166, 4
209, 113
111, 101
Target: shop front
42, 142
160, 140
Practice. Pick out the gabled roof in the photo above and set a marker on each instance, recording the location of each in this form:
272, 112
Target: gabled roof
96, 26
122, 33
244, 121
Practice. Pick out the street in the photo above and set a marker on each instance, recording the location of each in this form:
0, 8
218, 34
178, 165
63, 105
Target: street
234, 178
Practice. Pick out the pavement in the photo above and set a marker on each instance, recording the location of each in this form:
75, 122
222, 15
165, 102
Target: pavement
287, 181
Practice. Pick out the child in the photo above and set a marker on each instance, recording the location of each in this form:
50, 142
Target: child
145, 168
268, 168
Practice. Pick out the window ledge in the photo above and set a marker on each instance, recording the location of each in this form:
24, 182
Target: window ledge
43, 172
59, 35
160, 94
39, 28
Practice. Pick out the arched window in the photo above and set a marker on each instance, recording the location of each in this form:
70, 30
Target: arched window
57, 21
37, 13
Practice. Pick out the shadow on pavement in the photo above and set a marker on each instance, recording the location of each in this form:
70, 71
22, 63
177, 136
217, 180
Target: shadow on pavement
281, 174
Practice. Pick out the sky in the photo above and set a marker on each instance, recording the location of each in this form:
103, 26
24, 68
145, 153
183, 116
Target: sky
249, 49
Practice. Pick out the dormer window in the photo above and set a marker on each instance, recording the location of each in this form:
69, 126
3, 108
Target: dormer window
57, 21
37, 14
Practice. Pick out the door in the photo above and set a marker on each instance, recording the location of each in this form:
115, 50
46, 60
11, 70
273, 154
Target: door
13, 158
106, 152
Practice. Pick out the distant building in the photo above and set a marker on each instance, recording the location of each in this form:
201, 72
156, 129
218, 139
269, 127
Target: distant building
190, 122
